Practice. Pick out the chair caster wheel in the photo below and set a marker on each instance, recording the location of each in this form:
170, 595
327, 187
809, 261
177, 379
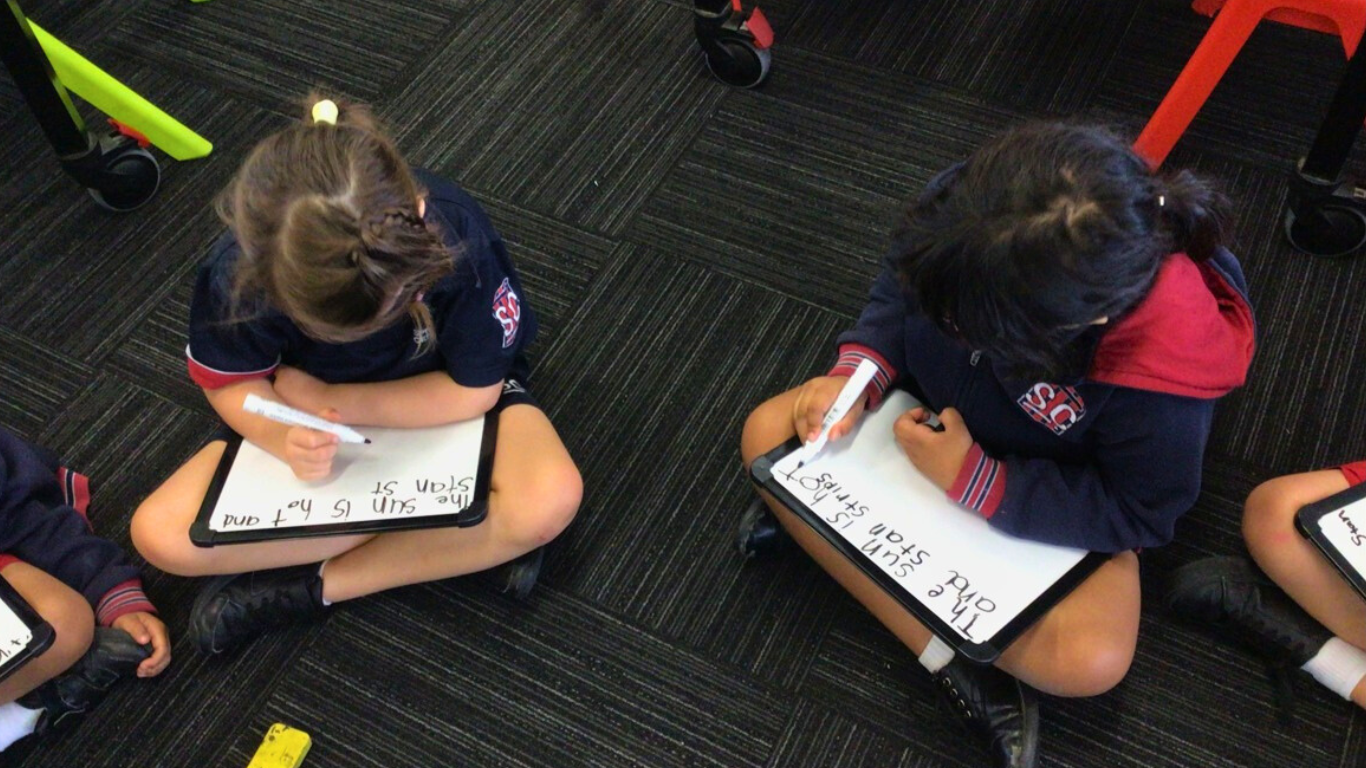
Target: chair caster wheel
115, 169
735, 41
1328, 230
739, 64
129, 180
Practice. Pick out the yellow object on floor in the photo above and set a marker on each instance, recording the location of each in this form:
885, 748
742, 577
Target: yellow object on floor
283, 747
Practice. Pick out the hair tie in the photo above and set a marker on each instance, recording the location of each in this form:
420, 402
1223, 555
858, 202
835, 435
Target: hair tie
325, 111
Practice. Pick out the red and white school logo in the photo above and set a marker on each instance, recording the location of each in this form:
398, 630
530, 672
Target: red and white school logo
1054, 406
507, 310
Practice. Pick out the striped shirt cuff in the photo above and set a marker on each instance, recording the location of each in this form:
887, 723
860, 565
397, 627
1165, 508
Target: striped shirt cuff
76, 491
124, 598
850, 357
981, 482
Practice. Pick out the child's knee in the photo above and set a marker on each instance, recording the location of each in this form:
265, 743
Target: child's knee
161, 543
765, 428
1268, 515
546, 504
73, 624
1098, 666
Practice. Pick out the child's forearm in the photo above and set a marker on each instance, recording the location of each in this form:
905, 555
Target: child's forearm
425, 400
227, 401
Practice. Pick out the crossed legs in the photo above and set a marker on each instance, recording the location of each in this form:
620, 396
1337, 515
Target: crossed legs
1082, 647
534, 493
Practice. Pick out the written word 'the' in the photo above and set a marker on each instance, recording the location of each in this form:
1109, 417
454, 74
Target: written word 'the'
968, 604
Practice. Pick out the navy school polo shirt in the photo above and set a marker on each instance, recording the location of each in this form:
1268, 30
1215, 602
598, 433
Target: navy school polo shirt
482, 324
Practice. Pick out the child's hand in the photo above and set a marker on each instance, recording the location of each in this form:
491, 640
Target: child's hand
938, 455
146, 628
301, 390
310, 452
814, 399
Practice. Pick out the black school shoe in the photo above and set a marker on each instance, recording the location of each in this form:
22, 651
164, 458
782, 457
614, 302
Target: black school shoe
233, 609
995, 707
1231, 596
518, 577
759, 531
113, 655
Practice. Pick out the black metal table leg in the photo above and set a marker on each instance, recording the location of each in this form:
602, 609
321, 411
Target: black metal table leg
32, 72
1327, 213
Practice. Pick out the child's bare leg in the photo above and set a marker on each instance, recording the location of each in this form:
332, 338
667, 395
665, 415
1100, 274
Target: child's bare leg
1295, 564
1292, 561
531, 499
534, 494
1085, 644
161, 529
70, 616
1082, 647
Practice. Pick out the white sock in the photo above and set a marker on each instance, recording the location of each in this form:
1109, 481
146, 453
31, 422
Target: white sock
1339, 665
936, 655
320, 575
16, 722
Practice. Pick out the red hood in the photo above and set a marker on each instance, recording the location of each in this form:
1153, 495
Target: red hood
1192, 335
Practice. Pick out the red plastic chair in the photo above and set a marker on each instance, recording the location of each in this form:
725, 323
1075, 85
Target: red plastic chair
1232, 25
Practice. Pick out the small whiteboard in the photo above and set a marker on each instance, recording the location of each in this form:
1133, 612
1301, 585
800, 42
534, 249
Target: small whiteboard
1337, 526
972, 585
404, 478
23, 633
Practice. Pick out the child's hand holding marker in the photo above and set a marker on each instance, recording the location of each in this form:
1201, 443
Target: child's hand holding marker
311, 443
828, 407
937, 450
310, 452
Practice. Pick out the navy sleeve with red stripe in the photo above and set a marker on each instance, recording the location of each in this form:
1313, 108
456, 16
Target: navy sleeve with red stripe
41, 524
224, 349
1144, 474
879, 335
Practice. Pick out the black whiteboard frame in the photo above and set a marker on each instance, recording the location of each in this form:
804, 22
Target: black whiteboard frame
201, 535
1307, 522
43, 633
981, 652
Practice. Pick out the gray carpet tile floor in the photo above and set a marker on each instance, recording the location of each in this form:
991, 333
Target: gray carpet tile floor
691, 249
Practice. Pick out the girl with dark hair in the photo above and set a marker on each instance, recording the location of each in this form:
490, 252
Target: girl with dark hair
350, 286
1072, 317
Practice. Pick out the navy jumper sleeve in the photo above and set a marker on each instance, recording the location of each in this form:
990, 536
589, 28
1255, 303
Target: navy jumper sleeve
41, 529
879, 335
1143, 473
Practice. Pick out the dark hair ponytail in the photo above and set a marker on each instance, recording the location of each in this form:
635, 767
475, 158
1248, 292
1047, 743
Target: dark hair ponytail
1194, 214
1042, 231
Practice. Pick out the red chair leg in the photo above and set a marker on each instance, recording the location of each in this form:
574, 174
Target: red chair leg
1207, 65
